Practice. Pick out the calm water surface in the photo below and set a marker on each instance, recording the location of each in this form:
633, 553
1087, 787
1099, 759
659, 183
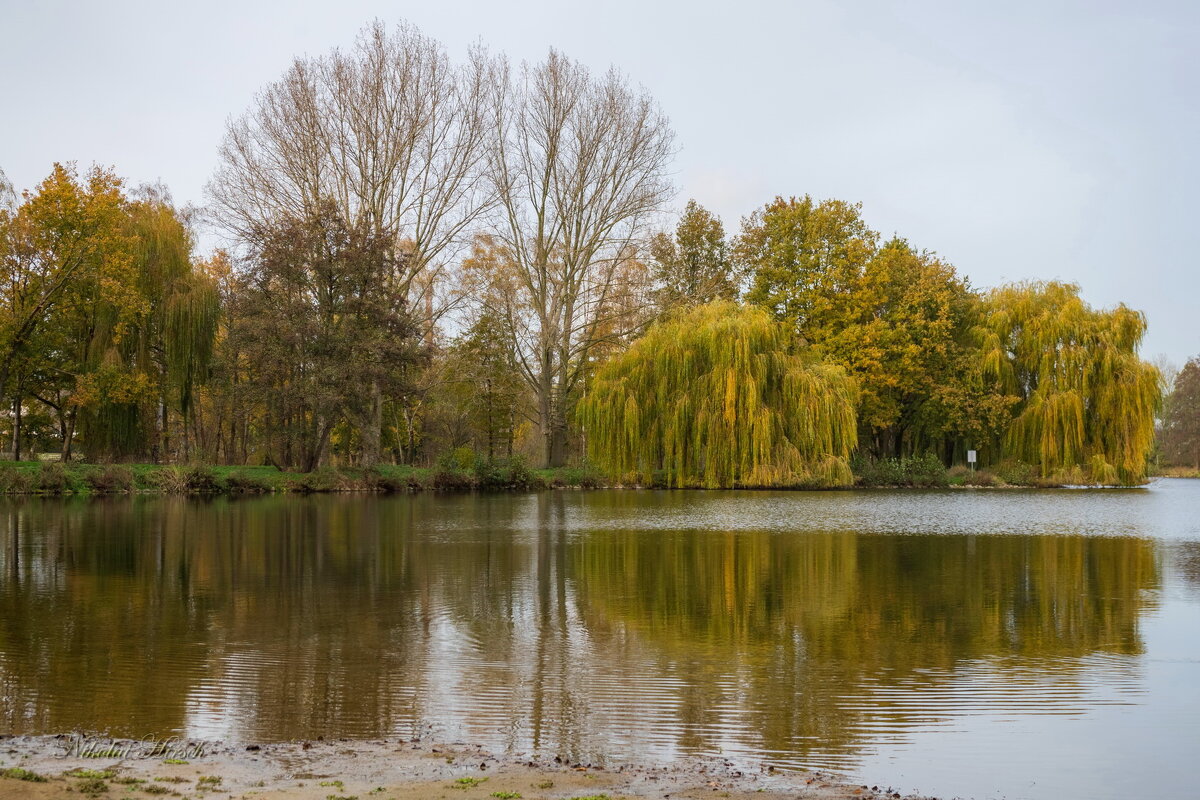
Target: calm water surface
982, 644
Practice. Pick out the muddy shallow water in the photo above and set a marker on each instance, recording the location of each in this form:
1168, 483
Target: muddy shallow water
973, 643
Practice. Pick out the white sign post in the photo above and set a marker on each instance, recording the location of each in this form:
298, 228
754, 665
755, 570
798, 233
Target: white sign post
971, 459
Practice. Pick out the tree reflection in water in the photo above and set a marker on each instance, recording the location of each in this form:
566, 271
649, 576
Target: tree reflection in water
529, 622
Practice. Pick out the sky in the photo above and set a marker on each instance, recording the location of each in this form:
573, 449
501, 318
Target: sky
1018, 140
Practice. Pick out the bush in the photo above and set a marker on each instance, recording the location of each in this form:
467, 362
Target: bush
462, 458
504, 474
323, 479
243, 482
1017, 473
877, 472
981, 477
202, 480
169, 480
584, 476
53, 479
451, 473
14, 480
375, 480
454, 480
923, 471
113, 479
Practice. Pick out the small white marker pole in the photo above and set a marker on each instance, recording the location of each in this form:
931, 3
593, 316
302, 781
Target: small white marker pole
971, 459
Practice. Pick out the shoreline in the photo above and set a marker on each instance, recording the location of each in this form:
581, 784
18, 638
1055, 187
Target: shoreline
390, 769
54, 479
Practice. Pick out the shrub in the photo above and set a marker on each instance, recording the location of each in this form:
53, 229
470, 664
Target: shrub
113, 479
53, 478
169, 480
202, 480
244, 482
877, 472
451, 480
981, 477
925, 471
14, 480
585, 476
504, 474
1017, 473
323, 479
374, 480
450, 473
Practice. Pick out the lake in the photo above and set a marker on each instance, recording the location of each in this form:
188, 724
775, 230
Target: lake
1019, 644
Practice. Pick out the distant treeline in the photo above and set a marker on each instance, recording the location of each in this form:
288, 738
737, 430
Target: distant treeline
430, 258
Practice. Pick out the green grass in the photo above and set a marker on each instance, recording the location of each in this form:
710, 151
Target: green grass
19, 774
51, 478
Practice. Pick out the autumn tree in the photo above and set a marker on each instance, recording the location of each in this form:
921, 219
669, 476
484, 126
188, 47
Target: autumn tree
803, 260
722, 396
579, 167
320, 320
1086, 402
489, 384
1180, 435
693, 266
904, 336
62, 229
393, 134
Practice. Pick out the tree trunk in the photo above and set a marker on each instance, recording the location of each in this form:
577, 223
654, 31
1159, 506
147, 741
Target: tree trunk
69, 438
16, 438
371, 428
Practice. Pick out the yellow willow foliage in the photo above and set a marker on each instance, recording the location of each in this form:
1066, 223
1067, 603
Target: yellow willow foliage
718, 397
1086, 401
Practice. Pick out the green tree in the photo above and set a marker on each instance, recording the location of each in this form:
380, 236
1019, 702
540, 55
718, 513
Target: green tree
719, 397
1086, 403
1181, 421
693, 267
804, 260
490, 384
63, 230
320, 321
906, 319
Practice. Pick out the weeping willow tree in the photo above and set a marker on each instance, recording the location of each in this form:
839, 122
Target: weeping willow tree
151, 338
1085, 402
721, 397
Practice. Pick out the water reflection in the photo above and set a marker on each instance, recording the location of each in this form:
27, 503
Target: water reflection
553, 622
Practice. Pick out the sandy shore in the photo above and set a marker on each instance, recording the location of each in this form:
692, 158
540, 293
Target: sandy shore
73, 767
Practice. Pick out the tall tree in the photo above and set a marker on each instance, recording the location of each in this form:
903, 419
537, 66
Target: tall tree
579, 165
490, 384
320, 319
906, 320
693, 267
720, 397
1085, 400
64, 228
393, 134
1181, 420
803, 260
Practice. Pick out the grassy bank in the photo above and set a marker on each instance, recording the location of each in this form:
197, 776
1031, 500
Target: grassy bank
1176, 472
51, 478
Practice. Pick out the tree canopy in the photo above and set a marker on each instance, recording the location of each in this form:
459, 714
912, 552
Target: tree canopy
722, 396
1181, 420
1085, 402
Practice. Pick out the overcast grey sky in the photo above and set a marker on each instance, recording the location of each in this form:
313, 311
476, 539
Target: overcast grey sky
1019, 140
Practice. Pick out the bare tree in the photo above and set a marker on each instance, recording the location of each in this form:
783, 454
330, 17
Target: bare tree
579, 166
394, 134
